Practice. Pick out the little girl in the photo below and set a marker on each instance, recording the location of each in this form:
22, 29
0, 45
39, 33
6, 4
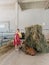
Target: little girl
17, 41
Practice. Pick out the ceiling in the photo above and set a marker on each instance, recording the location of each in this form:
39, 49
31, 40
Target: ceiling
7, 1
24, 1
27, 4
32, 4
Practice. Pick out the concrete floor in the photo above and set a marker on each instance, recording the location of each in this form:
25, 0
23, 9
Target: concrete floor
16, 58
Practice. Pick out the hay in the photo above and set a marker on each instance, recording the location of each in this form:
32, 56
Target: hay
5, 48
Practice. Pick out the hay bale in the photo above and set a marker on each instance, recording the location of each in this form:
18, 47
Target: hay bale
35, 39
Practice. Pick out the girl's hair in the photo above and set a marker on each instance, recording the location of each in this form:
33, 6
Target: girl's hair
18, 29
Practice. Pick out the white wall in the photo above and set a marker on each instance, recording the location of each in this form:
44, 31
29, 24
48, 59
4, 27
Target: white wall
24, 18
33, 16
8, 14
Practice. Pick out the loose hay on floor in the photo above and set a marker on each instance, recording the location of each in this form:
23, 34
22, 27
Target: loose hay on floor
5, 48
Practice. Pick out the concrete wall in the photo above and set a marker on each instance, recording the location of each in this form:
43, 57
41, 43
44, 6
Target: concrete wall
34, 16
22, 19
8, 15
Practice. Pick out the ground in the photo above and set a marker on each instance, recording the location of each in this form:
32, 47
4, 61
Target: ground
19, 58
